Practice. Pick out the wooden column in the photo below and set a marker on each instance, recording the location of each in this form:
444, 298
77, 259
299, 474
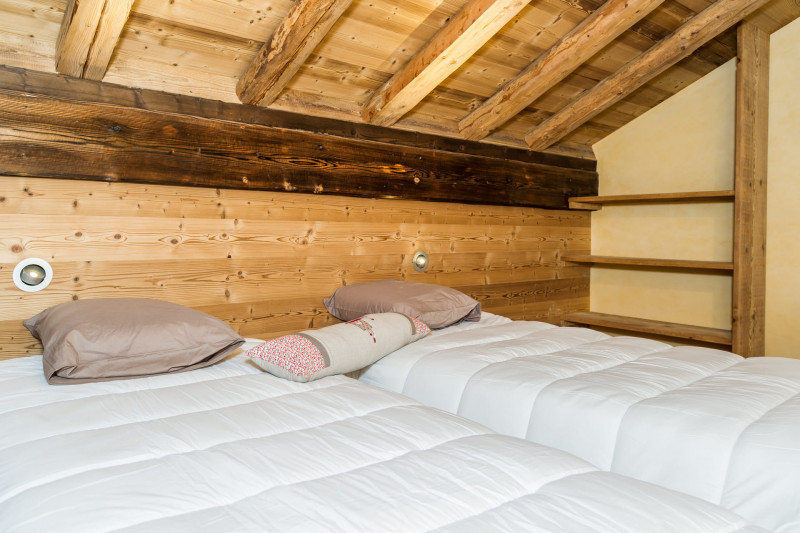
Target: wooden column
750, 205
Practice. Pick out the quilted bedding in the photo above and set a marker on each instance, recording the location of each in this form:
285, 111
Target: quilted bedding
229, 448
701, 421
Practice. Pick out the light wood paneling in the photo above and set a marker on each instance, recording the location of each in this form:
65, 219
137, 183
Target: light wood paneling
263, 261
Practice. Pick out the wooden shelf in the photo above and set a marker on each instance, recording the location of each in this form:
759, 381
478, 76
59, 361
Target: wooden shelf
594, 203
650, 262
654, 327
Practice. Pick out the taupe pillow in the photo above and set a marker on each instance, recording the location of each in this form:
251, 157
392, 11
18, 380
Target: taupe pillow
435, 305
337, 349
122, 338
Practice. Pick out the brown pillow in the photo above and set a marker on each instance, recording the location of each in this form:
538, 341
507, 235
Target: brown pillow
122, 338
435, 305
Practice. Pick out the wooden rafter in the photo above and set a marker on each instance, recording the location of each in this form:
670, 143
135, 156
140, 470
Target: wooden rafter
88, 36
555, 64
450, 48
750, 204
689, 37
304, 27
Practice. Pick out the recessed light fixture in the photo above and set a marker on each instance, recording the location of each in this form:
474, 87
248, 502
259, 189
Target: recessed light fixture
32, 275
420, 261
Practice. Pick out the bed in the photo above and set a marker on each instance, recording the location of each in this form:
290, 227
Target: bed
231, 448
701, 421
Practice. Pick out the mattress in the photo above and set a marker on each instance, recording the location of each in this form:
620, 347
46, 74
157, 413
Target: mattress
701, 421
230, 448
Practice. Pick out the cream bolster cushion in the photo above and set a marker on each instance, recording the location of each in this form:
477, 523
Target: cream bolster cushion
435, 305
337, 349
122, 338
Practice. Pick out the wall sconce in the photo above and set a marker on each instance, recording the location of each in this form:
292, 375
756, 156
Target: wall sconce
32, 275
420, 261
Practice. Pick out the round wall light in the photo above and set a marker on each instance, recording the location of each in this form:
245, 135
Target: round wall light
32, 275
420, 261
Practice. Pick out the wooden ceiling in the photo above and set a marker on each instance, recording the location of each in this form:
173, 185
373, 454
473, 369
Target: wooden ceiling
554, 75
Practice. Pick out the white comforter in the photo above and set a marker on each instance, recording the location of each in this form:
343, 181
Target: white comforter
701, 421
231, 449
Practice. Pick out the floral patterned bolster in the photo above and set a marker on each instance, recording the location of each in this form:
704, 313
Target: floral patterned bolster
337, 349
418, 326
296, 353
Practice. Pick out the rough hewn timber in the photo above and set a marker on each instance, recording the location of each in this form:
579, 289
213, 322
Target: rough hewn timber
60, 138
18, 79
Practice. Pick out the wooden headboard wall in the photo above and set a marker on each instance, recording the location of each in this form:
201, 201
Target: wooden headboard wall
259, 259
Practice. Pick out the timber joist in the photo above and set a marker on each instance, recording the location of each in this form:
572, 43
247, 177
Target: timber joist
550, 75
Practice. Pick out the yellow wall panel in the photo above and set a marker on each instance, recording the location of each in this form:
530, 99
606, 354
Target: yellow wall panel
686, 144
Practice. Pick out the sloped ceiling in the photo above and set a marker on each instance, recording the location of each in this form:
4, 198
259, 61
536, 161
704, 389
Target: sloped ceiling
449, 67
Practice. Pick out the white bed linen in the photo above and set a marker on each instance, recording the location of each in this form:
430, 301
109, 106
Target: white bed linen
231, 449
701, 421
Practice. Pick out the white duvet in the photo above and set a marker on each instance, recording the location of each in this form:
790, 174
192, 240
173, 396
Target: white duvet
231, 449
701, 421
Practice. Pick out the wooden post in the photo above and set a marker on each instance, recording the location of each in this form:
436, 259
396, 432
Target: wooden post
750, 204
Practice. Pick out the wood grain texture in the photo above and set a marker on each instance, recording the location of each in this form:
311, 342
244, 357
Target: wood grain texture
303, 28
595, 203
750, 183
689, 37
200, 48
650, 262
462, 36
263, 261
50, 137
651, 327
88, 36
585, 40
18, 79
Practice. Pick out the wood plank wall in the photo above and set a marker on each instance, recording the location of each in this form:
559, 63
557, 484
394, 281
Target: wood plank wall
263, 261
134, 193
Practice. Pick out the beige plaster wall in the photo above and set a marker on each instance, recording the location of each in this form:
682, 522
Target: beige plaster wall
783, 195
686, 144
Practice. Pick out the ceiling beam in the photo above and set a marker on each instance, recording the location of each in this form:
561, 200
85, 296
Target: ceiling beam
576, 47
680, 44
451, 47
304, 27
88, 36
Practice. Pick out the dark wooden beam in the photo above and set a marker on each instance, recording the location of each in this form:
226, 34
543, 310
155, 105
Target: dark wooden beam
63, 138
43, 83
750, 203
